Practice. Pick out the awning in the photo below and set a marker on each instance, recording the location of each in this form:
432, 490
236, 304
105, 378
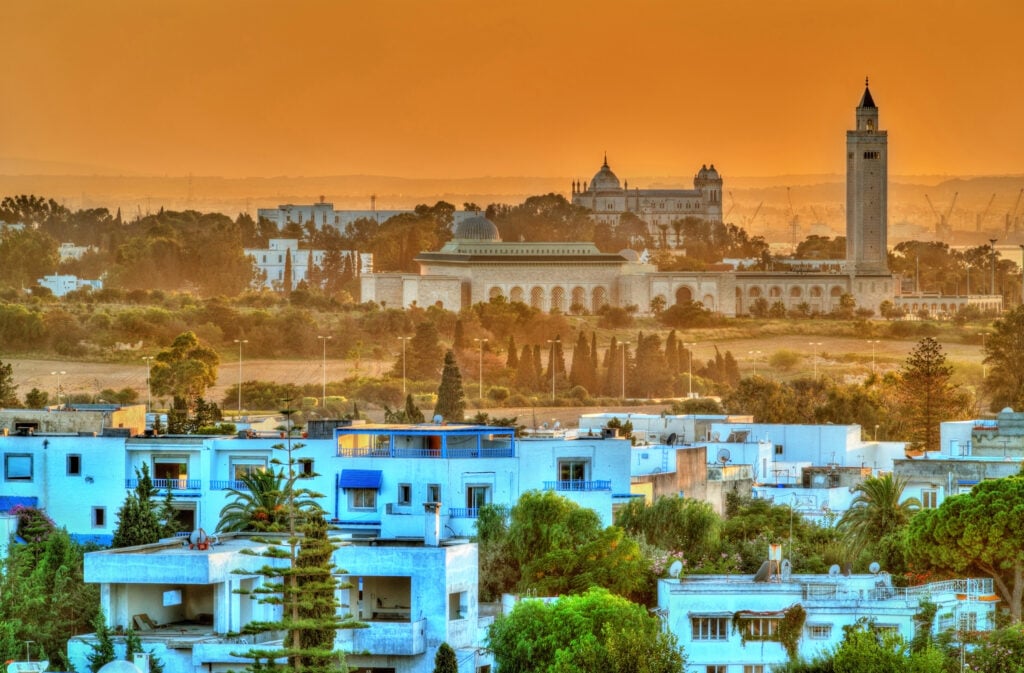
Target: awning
360, 479
9, 502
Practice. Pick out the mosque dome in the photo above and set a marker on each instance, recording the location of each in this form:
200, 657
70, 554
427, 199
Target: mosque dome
604, 179
477, 228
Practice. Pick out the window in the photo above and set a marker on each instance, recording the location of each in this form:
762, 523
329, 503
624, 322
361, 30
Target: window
819, 631
405, 494
433, 492
753, 668
74, 465
778, 449
968, 621
573, 469
170, 473
305, 467
716, 668
760, 627
709, 628
477, 496
99, 517
17, 467
458, 605
929, 498
362, 498
246, 467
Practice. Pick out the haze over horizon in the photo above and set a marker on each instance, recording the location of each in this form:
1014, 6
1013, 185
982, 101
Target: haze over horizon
456, 89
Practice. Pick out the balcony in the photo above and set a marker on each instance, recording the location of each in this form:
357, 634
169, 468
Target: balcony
578, 485
463, 512
391, 638
224, 484
173, 484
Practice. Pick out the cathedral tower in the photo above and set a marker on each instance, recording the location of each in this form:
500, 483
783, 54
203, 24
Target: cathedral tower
867, 173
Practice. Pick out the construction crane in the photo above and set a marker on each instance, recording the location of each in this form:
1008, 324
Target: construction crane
1011, 218
733, 199
750, 221
943, 230
794, 220
981, 218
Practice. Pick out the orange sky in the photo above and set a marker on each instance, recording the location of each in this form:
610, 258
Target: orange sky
448, 88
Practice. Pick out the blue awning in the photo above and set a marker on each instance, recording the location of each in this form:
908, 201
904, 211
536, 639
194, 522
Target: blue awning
9, 502
360, 479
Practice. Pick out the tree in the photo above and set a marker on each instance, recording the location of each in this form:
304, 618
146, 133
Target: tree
422, 355
137, 520
184, 370
1004, 355
261, 502
103, 649
999, 651
927, 395
981, 531
593, 631
673, 523
8, 389
878, 510
445, 661
26, 256
286, 281
451, 400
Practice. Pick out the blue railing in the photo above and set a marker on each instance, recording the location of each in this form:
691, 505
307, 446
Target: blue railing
174, 484
507, 451
464, 512
578, 485
224, 484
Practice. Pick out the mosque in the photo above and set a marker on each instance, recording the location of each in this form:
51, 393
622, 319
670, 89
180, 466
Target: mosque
476, 265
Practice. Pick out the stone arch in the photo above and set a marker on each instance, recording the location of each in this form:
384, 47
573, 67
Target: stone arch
816, 292
684, 295
558, 299
579, 297
495, 292
516, 294
754, 292
836, 291
599, 298
537, 298
775, 292
796, 292
709, 302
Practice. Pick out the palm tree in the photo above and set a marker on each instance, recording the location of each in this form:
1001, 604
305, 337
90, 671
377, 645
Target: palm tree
878, 509
263, 503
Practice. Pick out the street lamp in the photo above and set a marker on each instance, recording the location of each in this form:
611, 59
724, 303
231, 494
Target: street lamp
323, 392
984, 369
689, 365
814, 356
403, 340
873, 342
240, 342
58, 375
1022, 274
149, 389
624, 344
551, 363
481, 365
992, 244
753, 360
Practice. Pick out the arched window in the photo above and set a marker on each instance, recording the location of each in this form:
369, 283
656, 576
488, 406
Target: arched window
754, 292
836, 291
579, 297
796, 292
516, 294
537, 298
494, 293
600, 298
775, 292
708, 302
558, 299
684, 295
816, 292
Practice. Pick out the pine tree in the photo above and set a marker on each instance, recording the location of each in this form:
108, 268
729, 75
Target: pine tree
103, 649
538, 365
451, 399
579, 374
512, 362
413, 414
526, 378
133, 646
927, 395
138, 521
445, 660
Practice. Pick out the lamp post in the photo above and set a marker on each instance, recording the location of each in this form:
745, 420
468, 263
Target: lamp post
814, 356
58, 375
984, 369
240, 342
689, 346
873, 342
624, 344
992, 244
323, 392
551, 364
480, 366
403, 340
753, 360
149, 389
1022, 274
876, 432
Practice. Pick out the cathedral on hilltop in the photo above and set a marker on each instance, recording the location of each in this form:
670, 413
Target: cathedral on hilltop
658, 208
570, 277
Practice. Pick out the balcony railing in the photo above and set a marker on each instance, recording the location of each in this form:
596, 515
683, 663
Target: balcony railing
578, 485
173, 484
974, 588
427, 452
464, 512
224, 484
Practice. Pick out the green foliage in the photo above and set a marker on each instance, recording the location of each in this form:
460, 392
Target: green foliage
593, 631
103, 649
451, 400
879, 509
1001, 651
8, 389
445, 661
265, 501
1004, 355
184, 370
927, 394
673, 523
26, 256
137, 520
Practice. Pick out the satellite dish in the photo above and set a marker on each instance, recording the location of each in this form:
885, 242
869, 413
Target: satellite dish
723, 455
671, 440
874, 567
438, 418
786, 570
834, 570
675, 569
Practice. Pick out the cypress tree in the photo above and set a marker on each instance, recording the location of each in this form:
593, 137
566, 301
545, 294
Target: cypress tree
579, 374
526, 378
459, 342
103, 649
137, 520
286, 286
451, 399
445, 661
512, 362
412, 412
538, 366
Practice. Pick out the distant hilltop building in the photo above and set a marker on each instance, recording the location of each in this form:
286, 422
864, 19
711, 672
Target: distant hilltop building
476, 265
271, 261
323, 214
658, 208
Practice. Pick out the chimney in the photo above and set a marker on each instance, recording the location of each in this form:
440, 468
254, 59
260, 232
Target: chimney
432, 523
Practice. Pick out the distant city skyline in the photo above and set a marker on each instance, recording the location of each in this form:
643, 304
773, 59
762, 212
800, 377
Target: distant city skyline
455, 88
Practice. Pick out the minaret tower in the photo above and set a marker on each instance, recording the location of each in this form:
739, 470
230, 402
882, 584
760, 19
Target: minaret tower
867, 176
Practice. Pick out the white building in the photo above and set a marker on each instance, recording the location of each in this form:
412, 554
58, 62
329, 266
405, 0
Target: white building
731, 623
69, 250
60, 285
271, 261
323, 214
412, 595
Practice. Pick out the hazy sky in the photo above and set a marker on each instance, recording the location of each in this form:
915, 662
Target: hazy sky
450, 88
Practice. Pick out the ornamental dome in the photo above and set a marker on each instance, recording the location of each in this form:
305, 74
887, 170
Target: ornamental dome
477, 228
604, 179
